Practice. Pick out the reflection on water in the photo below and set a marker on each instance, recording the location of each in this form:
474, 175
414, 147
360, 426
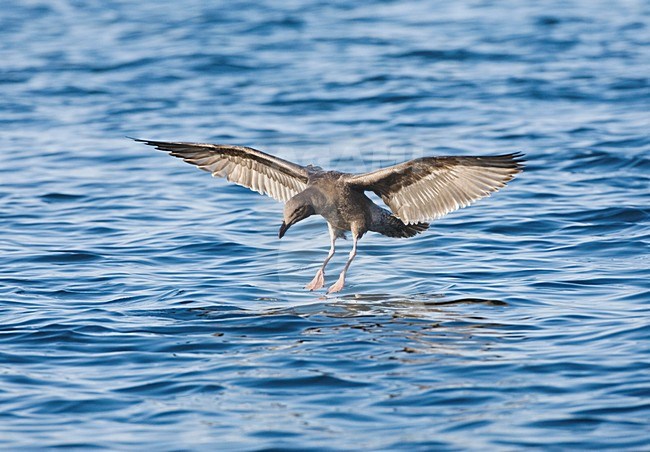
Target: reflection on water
356, 305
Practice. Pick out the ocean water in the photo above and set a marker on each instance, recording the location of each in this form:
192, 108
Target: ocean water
147, 306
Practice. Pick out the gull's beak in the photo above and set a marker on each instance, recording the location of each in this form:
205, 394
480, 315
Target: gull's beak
296, 216
283, 229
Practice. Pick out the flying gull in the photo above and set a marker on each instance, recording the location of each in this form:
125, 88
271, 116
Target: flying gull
417, 191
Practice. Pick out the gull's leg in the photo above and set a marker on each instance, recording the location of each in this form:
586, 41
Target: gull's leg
338, 285
319, 279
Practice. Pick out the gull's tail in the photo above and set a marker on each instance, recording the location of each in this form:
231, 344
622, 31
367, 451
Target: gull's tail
391, 226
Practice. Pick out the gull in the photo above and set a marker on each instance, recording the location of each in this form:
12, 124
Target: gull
417, 191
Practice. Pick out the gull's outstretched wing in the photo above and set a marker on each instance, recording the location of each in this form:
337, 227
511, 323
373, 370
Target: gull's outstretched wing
428, 188
261, 172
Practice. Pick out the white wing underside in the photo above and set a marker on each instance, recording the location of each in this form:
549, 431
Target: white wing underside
255, 176
426, 189
248, 167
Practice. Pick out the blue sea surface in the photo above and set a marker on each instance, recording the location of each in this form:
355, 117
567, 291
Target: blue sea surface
147, 306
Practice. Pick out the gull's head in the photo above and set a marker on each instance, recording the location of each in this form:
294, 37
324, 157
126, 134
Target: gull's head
296, 209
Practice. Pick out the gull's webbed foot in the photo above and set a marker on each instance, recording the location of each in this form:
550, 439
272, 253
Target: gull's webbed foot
317, 282
338, 285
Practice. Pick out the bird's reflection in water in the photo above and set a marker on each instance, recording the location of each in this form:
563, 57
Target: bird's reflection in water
398, 306
421, 326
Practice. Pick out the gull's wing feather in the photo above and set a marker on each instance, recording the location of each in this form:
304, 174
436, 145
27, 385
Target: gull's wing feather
261, 172
428, 188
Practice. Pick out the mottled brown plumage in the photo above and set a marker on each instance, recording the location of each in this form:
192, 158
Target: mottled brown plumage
417, 191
